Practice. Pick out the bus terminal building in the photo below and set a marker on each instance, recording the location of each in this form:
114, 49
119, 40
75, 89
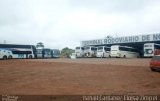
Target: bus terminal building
136, 41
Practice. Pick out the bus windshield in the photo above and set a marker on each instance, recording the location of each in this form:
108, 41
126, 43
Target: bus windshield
100, 49
107, 49
148, 51
77, 48
39, 51
87, 47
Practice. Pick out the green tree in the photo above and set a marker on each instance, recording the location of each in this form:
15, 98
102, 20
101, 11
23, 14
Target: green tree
40, 45
66, 52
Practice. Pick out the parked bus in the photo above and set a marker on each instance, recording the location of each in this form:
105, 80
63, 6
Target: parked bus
90, 51
103, 51
79, 51
5, 54
47, 53
39, 53
44, 53
151, 49
56, 53
124, 51
19, 51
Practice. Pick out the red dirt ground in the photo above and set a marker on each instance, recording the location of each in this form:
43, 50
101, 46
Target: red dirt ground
78, 77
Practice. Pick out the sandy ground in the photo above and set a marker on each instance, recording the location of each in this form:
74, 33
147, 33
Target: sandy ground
108, 61
78, 77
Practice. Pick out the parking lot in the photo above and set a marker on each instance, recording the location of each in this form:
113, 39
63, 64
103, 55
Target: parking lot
78, 77
107, 61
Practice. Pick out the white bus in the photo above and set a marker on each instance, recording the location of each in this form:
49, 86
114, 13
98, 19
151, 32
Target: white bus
90, 51
47, 53
39, 53
19, 51
124, 51
44, 53
103, 51
56, 53
79, 51
151, 49
5, 54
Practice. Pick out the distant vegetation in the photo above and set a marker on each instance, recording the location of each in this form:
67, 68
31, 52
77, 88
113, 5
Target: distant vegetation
40, 44
66, 52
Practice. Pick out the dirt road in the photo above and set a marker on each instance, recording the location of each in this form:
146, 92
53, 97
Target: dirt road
78, 77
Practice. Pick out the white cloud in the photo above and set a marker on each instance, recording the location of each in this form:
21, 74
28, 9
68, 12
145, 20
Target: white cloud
61, 23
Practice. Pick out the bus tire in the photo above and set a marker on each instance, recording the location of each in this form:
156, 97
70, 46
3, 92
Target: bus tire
85, 55
10, 57
30, 57
103, 56
5, 57
89, 54
124, 56
109, 56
